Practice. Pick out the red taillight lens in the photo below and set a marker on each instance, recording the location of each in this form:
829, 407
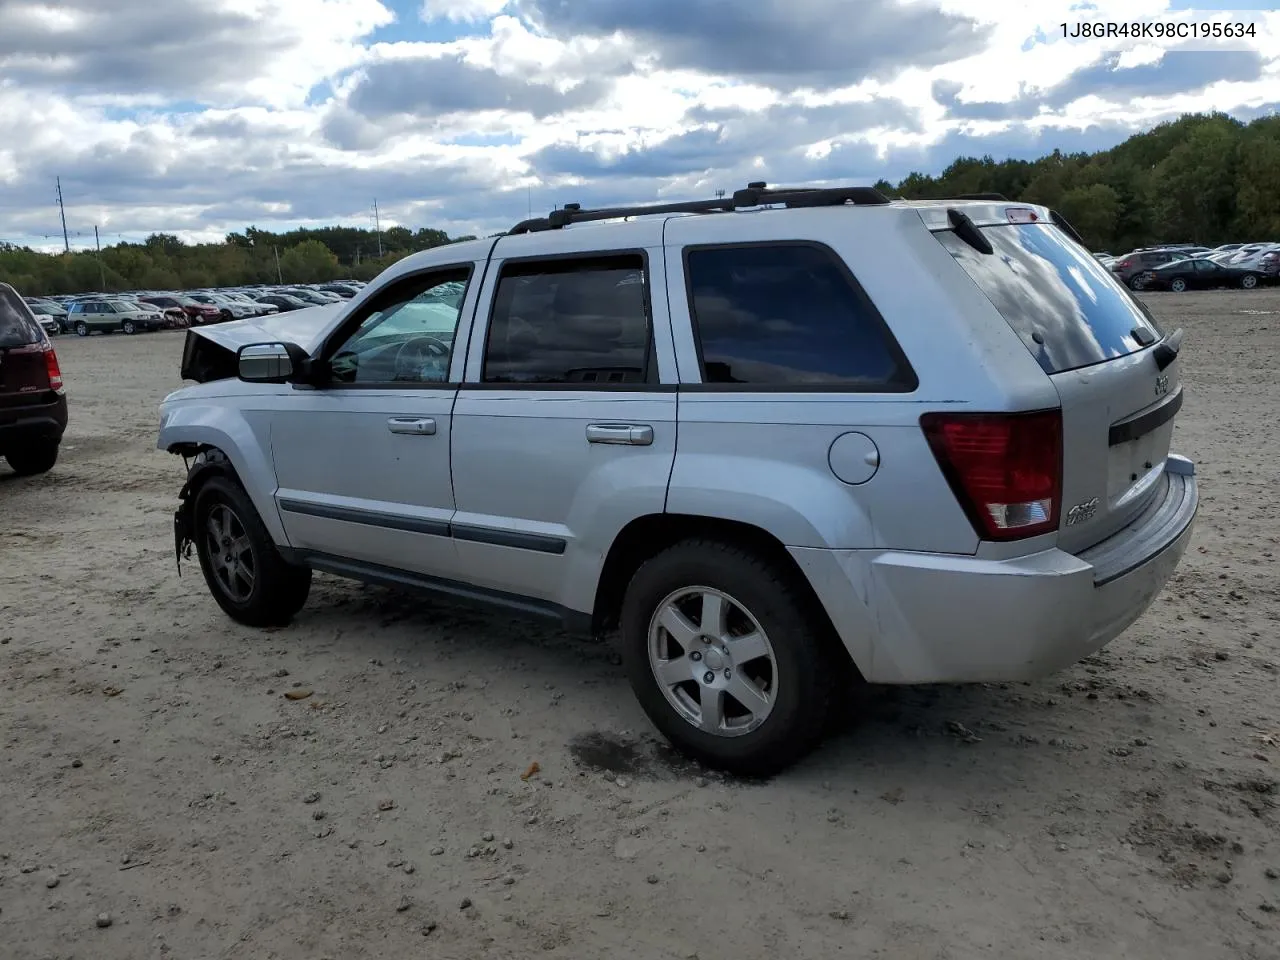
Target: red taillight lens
1005, 469
52, 368
1125, 264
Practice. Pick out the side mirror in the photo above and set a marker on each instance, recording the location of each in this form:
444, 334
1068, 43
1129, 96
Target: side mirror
270, 362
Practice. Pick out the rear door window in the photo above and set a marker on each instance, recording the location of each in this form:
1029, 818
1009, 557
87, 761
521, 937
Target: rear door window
17, 329
782, 315
577, 321
1067, 309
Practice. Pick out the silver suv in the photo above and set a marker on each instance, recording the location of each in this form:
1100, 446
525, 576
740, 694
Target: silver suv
783, 441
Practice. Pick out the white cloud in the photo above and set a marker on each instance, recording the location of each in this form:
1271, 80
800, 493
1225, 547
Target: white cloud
461, 10
203, 117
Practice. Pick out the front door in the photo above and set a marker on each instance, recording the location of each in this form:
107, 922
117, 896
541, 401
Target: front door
565, 427
362, 461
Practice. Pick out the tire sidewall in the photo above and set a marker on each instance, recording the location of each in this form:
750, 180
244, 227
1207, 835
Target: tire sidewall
797, 648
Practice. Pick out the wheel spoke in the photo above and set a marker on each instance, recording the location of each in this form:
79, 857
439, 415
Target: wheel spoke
239, 547
678, 626
748, 648
712, 703
671, 672
215, 529
713, 615
742, 689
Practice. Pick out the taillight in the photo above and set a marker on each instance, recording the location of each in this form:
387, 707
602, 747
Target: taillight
1125, 264
1005, 469
52, 368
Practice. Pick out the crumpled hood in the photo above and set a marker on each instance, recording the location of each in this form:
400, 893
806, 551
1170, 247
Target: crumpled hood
306, 328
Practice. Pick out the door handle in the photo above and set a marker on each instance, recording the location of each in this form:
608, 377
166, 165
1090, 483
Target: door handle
633, 434
413, 426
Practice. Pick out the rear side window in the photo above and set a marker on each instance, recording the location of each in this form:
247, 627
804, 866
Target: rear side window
17, 329
574, 321
1068, 310
788, 315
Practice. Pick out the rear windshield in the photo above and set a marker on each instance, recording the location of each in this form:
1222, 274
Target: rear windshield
1065, 306
17, 329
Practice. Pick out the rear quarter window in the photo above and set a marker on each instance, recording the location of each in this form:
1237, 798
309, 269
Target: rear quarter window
1067, 309
789, 315
17, 327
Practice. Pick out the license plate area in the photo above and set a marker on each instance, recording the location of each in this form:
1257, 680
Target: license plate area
1134, 467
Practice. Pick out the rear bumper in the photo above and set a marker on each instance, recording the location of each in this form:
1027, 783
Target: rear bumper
34, 423
931, 618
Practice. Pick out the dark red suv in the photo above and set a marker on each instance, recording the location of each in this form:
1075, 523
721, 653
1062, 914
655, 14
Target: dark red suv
33, 402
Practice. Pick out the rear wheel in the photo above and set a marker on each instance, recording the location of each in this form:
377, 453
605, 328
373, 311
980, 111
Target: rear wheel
34, 458
82, 329
1178, 285
728, 657
248, 578
1135, 282
1249, 281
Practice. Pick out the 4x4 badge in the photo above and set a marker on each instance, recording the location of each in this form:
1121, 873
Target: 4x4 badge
1082, 512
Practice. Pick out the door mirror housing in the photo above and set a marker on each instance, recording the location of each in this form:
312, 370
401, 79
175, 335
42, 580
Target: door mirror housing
272, 363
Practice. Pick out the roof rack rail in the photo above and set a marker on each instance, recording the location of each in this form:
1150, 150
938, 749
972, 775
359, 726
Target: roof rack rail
998, 197
756, 194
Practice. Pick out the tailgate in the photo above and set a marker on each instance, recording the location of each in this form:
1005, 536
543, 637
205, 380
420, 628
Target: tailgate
1117, 428
1096, 341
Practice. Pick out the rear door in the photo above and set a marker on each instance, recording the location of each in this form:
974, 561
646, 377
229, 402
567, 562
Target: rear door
1094, 340
23, 371
565, 429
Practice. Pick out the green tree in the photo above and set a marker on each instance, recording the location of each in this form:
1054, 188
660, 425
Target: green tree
309, 262
1093, 211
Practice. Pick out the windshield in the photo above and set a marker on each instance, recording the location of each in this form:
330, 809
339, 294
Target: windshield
1067, 308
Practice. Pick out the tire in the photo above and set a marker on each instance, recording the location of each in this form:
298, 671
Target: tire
799, 672
38, 457
129, 327
1135, 282
1178, 285
1249, 281
81, 329
275, 590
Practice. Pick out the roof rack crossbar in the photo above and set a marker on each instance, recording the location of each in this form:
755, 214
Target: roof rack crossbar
755, 195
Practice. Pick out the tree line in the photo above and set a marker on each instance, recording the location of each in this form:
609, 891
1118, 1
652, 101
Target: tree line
1204, 178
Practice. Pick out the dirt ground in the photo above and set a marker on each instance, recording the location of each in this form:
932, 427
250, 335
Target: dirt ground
153, 770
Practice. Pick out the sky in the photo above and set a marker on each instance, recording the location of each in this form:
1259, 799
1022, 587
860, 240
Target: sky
201, 117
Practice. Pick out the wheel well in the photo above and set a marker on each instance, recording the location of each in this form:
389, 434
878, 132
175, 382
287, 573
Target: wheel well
646, 537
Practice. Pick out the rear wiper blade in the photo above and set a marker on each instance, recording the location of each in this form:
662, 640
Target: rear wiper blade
1166, 350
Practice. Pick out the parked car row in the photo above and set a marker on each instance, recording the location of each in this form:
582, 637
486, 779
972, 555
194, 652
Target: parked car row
139, 311
1185, 266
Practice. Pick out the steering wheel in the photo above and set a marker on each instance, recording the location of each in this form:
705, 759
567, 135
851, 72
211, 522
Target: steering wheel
415, 354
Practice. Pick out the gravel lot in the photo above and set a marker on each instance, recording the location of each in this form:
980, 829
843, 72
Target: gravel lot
153, 770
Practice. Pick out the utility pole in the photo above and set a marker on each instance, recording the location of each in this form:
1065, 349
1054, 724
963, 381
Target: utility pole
97, 246
66, 240
377, 225
279, 275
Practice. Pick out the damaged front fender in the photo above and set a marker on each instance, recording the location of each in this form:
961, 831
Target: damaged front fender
208, 462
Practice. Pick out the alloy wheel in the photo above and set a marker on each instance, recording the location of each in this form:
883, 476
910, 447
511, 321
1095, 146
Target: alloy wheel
713, 661
230, 553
